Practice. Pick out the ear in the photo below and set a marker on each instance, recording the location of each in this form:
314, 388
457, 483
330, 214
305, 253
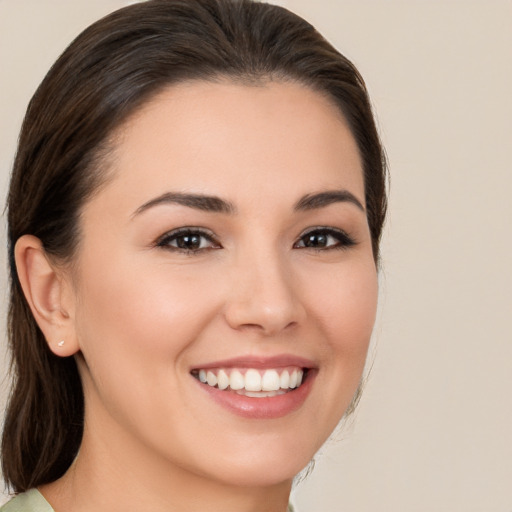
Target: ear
49, 295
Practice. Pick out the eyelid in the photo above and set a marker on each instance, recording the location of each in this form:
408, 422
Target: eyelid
345, 240
162, 240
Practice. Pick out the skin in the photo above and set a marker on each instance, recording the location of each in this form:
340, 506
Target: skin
140, 315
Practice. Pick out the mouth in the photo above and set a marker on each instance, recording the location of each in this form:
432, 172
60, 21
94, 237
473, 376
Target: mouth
253, 382
258, 388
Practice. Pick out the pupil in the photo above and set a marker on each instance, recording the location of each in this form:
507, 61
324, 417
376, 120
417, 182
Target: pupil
316, 240
189, 242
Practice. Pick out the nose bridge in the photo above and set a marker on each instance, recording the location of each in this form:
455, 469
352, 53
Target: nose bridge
263, 294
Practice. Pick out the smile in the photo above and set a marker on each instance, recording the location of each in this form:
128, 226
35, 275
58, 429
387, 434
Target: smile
252, 382
260, 388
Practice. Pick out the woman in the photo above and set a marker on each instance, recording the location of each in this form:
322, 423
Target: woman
194, 222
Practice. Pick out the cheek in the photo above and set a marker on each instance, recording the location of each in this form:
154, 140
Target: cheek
345, 311
141, 323
342, 307
134, 336
346, 306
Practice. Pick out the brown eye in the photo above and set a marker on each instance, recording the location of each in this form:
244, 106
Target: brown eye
316, 240
324, 238
188, 240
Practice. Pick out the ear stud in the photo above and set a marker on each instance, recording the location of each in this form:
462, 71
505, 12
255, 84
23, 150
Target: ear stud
61, 343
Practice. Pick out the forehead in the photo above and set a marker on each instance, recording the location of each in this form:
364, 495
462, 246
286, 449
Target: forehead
244, 141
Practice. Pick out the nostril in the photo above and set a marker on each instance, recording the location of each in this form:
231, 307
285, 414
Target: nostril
266, 328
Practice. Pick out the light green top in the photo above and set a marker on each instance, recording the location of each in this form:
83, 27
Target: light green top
30, 501
33, 501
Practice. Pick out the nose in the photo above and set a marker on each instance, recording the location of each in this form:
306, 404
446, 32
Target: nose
263, 297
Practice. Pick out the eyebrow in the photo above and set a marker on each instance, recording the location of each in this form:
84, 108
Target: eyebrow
322, 199
197, 201
215, 204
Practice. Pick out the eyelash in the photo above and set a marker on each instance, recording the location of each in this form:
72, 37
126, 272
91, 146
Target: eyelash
342, 240
182, 233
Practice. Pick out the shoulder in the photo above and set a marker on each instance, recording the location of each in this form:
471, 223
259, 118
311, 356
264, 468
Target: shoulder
30, 501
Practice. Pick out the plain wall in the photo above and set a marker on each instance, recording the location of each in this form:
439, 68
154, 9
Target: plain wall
432, 433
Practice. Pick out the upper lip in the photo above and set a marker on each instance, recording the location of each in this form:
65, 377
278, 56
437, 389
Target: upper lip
259, 362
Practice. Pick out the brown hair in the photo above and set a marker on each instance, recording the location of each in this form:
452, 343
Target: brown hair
112, 68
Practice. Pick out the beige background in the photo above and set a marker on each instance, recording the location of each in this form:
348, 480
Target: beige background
433, 431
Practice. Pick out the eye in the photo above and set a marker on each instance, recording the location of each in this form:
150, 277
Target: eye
188, 240
324, 238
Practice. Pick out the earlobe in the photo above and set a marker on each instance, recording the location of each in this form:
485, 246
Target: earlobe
45, 287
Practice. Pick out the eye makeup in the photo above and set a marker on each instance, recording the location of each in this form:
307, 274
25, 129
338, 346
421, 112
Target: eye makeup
191, 240
323, 238
188, 240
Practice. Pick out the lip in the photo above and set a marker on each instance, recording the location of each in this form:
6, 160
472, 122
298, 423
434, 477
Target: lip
260, 363
261, 408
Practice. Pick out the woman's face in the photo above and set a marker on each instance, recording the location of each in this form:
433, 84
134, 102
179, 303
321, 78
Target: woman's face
231, 245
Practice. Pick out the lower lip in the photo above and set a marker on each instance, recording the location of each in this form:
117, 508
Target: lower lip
262, 408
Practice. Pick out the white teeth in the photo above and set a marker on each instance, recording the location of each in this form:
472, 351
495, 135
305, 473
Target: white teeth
222, 379
285, 380
270, 381
259, 383
252, 380
211, 378
236, 380
293, 379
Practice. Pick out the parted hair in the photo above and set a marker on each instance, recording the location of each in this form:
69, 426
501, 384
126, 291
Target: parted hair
104, 76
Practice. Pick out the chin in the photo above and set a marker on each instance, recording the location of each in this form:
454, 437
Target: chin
261, 473
263, 461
